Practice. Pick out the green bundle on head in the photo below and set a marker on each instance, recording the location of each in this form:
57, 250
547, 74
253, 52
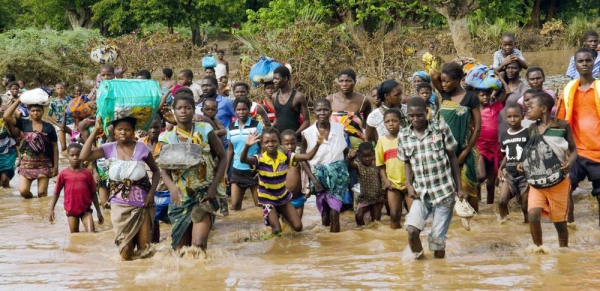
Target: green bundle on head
138, 99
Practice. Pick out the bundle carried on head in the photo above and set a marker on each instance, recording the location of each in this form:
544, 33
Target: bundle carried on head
36, 96
128, 98
262, 71
104, 54
468, 63
483, 78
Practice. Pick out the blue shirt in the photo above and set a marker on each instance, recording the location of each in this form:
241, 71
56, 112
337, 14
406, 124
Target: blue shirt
572, 71
237, 139
225, 110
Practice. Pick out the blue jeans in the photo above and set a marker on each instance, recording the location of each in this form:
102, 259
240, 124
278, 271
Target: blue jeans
442, 215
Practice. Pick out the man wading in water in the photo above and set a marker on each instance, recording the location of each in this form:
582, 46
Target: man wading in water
289, 104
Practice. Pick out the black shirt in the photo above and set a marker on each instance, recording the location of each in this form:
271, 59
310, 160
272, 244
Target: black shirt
513, 146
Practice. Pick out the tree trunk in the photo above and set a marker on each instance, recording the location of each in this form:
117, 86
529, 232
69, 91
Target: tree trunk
456, 12
196, 35
81, 18
461, 36
534, 18
551, 10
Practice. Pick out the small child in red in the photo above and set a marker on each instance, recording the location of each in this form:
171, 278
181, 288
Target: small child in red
80, 192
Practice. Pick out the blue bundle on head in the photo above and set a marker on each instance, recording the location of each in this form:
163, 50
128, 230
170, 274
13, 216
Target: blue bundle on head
483, 78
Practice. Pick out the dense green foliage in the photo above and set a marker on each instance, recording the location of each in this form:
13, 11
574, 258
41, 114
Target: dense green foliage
48, 56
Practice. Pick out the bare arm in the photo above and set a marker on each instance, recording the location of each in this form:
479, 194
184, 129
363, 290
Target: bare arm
8, 114
149, 202
229, 158
55, 160
455, 173
366, 110
436, 80
219, 129
371, 134
87, 154
304, 111
572, 150
273, 100
409, 180
506, 90
216, 148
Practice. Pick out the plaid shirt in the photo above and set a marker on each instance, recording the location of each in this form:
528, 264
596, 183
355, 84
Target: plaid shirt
428, 159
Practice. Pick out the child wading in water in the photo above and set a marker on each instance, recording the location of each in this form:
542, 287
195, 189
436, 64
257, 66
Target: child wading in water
80, 192
390, 167
272, 166
294, 182
432, 177
371, 196
513, 143
556, 152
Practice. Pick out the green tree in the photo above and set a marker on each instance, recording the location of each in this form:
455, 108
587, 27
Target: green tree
58, 14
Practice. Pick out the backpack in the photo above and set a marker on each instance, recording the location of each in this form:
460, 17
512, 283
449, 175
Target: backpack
541, 164
78, 108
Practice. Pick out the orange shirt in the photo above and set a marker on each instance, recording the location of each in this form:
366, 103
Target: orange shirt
586, 124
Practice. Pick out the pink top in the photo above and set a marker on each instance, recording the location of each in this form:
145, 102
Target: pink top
79, 186
489, 122
550, 92
133, 169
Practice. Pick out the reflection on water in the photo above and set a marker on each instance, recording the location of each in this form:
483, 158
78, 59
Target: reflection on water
37, 254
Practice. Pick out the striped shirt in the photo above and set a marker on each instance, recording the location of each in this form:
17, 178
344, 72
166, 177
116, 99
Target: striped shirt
272, 177
572, 71
237, 138
428, 159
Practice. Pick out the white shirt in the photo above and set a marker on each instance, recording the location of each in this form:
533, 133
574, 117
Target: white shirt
332, 149
375, 119
197, 90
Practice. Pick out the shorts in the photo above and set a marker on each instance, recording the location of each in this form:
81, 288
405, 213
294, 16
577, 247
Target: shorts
162, 200
298, 201
243, 178
517, 185
442, 212
80, 216
583, 168
554, 200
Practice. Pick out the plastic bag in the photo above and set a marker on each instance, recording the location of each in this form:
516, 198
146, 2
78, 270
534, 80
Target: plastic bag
35, 96
104, 54
484, 78
128, 98
262, 71
209, 62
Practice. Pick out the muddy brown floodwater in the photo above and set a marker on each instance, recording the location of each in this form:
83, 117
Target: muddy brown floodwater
37, 255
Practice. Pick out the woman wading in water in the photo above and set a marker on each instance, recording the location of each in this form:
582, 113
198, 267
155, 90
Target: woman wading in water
131, 192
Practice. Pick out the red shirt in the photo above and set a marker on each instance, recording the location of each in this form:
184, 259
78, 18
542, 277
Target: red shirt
79, 186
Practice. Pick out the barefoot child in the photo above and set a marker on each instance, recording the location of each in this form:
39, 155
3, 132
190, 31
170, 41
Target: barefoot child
80, 192
371, 196
293, 181
272, 166
391, 168
513, 141
432, 177
548, 158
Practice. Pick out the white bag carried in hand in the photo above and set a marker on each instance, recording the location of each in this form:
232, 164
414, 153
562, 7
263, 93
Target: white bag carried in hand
35, 96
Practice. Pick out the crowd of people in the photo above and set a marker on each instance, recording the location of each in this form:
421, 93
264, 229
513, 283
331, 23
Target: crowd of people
422, 150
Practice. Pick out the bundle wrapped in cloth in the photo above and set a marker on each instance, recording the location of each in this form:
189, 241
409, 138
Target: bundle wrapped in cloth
483, 78
128, 98
262, 71
35, 96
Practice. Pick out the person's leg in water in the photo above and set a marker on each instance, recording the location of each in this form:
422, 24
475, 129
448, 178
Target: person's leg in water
289, 213
5, 180
62, 137
43, 187
104, 194
376, 211
88, 222
563, 234
25, 187
359, 217
415, 222
490, 184
273, 219
254, 190
524, 198
237, 196
73, 223
442, 216
504, 198
144, 235
334, 218
395, 199
325, 217
200, 232
535, 226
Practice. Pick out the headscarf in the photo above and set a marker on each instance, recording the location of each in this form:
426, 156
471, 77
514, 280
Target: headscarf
423, 75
